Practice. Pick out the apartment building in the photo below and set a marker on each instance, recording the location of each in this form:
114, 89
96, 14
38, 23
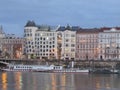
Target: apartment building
67, 42
109, 44
87, 44
12, 47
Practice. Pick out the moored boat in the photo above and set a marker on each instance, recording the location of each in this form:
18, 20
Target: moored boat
20, 67
60, 69
43, 68
105, 71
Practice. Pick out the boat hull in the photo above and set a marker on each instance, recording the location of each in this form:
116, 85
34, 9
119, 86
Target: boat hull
71, 71
24, 70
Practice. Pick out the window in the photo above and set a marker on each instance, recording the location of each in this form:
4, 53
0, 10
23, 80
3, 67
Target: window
66, 45
29, 46
73, 35
53, 38
72, 45
41, 38
40, 46
67, 35
67, 40
46, 46
72, 50
53, 46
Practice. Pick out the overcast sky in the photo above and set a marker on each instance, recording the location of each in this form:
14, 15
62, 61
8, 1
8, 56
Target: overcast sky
85, 13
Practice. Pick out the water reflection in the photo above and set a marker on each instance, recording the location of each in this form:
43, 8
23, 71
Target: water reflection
61, 81
18, 80
4, 81
57, 81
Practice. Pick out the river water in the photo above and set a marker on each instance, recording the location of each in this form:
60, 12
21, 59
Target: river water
58, 81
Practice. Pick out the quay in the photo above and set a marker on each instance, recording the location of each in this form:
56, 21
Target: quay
77, 63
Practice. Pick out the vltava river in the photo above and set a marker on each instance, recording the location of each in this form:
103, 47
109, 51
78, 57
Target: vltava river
58, 81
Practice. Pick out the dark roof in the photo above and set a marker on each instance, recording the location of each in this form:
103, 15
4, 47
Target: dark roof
43, 28
73, 28
61, 28
68, 27
118, 28
30, 23
105, 28
108, 28
94, 30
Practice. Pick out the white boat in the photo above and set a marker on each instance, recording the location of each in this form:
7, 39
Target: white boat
20, 67
60, 69
43, 68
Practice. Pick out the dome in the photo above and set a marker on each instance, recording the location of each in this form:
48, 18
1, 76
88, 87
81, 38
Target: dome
68, 27
30, 23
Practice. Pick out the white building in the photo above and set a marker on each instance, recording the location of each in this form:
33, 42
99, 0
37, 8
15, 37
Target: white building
46, 43
67, 42
109, 44
41, 41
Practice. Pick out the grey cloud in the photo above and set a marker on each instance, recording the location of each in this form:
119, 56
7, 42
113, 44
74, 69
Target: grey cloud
86, 13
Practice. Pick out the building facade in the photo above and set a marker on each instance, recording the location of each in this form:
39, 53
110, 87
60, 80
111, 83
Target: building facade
46, 43
12, 47
87, 44
67, 42
109, 44
41, 41
71, 42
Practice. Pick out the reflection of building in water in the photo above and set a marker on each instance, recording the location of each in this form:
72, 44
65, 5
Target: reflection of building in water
53, 81
35, 83
100, 82
12, 47
59, 80
63, 80
18, 80
4, 81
